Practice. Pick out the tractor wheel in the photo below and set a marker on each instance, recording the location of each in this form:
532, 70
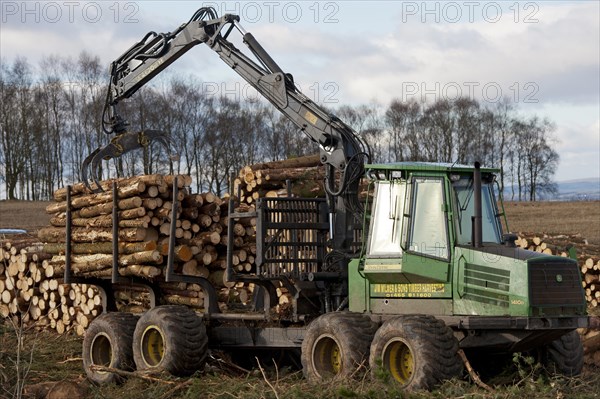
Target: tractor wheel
107, 343
336, 345
564, 355
171, 338
418, 351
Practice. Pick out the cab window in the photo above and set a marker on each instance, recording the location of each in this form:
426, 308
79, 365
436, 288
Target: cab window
386, 219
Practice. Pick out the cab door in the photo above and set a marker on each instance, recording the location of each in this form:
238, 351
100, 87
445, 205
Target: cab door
427, 246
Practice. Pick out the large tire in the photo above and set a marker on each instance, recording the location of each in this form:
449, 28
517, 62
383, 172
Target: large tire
419, 352
336, 345
107, 342
564, 355
171, 338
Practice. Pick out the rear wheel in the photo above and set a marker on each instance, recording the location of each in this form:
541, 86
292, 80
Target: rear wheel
564, 355
336, 345
107, 343
172, 338
419, 352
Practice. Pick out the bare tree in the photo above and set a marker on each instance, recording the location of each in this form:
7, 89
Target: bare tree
17, 118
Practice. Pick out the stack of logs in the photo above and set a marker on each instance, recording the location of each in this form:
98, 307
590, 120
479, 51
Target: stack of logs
30, 292
590, 267
269, 179
145, 213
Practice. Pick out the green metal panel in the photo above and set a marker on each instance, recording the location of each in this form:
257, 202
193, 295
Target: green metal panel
384, 270
358, 288
489, 284
411, 268
438, 307
422, 269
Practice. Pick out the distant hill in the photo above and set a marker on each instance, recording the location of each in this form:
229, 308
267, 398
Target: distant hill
581, 189
570, 190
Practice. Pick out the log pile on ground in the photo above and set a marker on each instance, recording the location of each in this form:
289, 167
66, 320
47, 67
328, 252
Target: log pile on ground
31, 293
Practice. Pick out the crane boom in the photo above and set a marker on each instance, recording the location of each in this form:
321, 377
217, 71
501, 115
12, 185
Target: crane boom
341, 150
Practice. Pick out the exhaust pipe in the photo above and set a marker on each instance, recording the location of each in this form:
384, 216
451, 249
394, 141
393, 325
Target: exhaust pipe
477, 233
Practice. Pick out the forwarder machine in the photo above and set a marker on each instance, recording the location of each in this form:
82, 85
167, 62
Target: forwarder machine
400, 282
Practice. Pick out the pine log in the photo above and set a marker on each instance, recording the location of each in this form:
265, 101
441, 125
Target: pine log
100, 247
193, 201
107, 208
206, 238
81, 188
300, 162
218, 279
181, 300
192, 268
87, 200
182, 180
55, 234
103, 221
140, 270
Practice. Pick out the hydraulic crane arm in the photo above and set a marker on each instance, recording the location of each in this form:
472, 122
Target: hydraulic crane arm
341, 149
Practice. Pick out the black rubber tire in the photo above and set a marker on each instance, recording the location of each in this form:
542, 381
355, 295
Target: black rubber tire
565, 355
336, 345
171, 338
425, 345
107, 342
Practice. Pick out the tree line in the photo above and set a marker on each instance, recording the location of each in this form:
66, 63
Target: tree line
50, 120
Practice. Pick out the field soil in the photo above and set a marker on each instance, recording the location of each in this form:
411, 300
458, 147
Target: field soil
559, 223
30, 358
26, 215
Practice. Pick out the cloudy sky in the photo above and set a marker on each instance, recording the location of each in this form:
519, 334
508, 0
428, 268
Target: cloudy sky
542, 54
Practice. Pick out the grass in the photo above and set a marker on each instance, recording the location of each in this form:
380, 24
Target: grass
57, 358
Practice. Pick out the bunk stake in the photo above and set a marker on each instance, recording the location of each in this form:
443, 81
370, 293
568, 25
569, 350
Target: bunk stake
115, 233
68, 232
173, 227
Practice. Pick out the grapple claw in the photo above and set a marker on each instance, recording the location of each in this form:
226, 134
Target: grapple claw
119, 145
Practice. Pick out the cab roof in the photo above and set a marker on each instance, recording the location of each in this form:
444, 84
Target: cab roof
427, 167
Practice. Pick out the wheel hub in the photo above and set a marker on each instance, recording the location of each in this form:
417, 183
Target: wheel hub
153, 346
101, 351
327, 356
399, 361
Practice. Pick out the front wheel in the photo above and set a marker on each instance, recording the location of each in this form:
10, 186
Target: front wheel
336, 345
107, 343
419, 352
172, 338
564, 355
